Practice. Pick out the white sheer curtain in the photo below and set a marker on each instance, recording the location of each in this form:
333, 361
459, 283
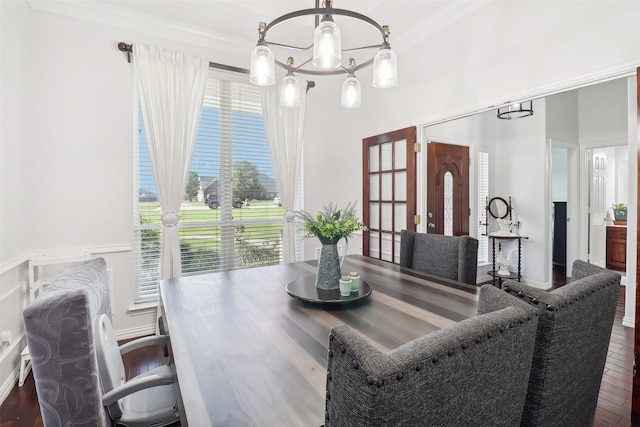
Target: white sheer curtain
284, 126
171, 86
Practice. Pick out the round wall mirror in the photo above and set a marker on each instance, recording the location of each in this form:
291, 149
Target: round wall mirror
498, 207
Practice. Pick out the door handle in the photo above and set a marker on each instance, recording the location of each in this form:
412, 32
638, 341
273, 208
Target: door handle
431, 225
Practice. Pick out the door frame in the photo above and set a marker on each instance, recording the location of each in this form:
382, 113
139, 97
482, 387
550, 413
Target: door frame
574, 204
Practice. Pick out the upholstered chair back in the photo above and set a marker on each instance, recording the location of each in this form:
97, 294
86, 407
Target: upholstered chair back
59, 331
453, 257
571, 346
473, 373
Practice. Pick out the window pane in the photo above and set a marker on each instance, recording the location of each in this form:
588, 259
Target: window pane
386, 156
387, 188
401, 186
400, 154
228, 219
374, 187
374, 159
387, 212
400, 216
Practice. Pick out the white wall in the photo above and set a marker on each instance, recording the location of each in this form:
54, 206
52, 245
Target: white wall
66, 146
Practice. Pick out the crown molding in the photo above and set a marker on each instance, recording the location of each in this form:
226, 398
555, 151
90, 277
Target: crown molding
436, 22
111, 14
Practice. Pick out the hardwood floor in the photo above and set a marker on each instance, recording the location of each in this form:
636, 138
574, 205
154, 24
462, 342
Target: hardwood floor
21, 408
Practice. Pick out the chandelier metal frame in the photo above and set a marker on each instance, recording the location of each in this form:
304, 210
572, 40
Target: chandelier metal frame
326, 12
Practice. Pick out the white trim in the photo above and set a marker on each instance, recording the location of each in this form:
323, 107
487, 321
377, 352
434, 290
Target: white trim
624, 69
629, 321
140, 331
8, 385
13, 263
142, 308
114, 15
17, 343
13, 290
17, 261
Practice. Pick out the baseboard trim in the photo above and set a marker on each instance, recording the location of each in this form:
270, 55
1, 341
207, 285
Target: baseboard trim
140, 331
628, 321
9, 384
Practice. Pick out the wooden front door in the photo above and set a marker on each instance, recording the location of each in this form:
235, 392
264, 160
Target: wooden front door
389, 191
447, 189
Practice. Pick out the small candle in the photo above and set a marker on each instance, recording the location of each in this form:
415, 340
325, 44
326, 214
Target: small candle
345, 286
355, 281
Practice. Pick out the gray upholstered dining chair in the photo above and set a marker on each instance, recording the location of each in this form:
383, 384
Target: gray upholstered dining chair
59, 330
574, 330
453, 257
473, 373
59, 326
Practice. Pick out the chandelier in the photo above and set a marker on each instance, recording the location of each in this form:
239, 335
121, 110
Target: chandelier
324, 57
516, 111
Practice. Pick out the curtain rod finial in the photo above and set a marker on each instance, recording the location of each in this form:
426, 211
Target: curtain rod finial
123, 47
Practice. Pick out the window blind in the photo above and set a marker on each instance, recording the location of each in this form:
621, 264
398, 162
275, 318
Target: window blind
483, 194
228, 218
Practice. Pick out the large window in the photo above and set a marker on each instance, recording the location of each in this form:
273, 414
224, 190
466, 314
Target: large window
228, 218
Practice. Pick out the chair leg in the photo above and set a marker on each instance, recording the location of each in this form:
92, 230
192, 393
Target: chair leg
25, 367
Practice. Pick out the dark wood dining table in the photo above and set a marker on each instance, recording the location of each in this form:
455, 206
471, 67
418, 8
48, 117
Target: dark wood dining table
248, 354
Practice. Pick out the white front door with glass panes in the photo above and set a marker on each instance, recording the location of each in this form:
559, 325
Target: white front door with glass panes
228, 219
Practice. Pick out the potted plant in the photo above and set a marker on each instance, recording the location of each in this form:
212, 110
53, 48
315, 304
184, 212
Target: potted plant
620, 211
329, 227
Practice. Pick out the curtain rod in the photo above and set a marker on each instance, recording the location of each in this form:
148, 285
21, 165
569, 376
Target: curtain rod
128, 48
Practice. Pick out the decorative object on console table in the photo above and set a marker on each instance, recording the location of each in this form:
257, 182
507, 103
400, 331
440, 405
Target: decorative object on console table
329, 227
620, 212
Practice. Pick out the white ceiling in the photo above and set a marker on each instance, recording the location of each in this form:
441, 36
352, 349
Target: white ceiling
236, 21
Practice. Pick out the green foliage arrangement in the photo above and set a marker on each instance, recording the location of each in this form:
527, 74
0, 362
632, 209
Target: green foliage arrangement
332, 223
619, 208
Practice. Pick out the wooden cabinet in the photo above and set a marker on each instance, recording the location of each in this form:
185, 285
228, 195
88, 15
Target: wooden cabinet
617, 247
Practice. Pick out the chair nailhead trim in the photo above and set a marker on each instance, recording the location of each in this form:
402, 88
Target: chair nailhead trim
343, 349
419, 367
355, 364
451, 352
329, 375
330, 353
370, 380
465, 345
380, 383
399, 376
434, 359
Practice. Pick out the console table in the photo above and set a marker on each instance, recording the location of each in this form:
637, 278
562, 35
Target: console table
498, 278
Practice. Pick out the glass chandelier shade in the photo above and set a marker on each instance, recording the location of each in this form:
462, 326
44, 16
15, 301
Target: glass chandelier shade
327, 46
324, 57
262, 72
290, 91
351, 92
385, 68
